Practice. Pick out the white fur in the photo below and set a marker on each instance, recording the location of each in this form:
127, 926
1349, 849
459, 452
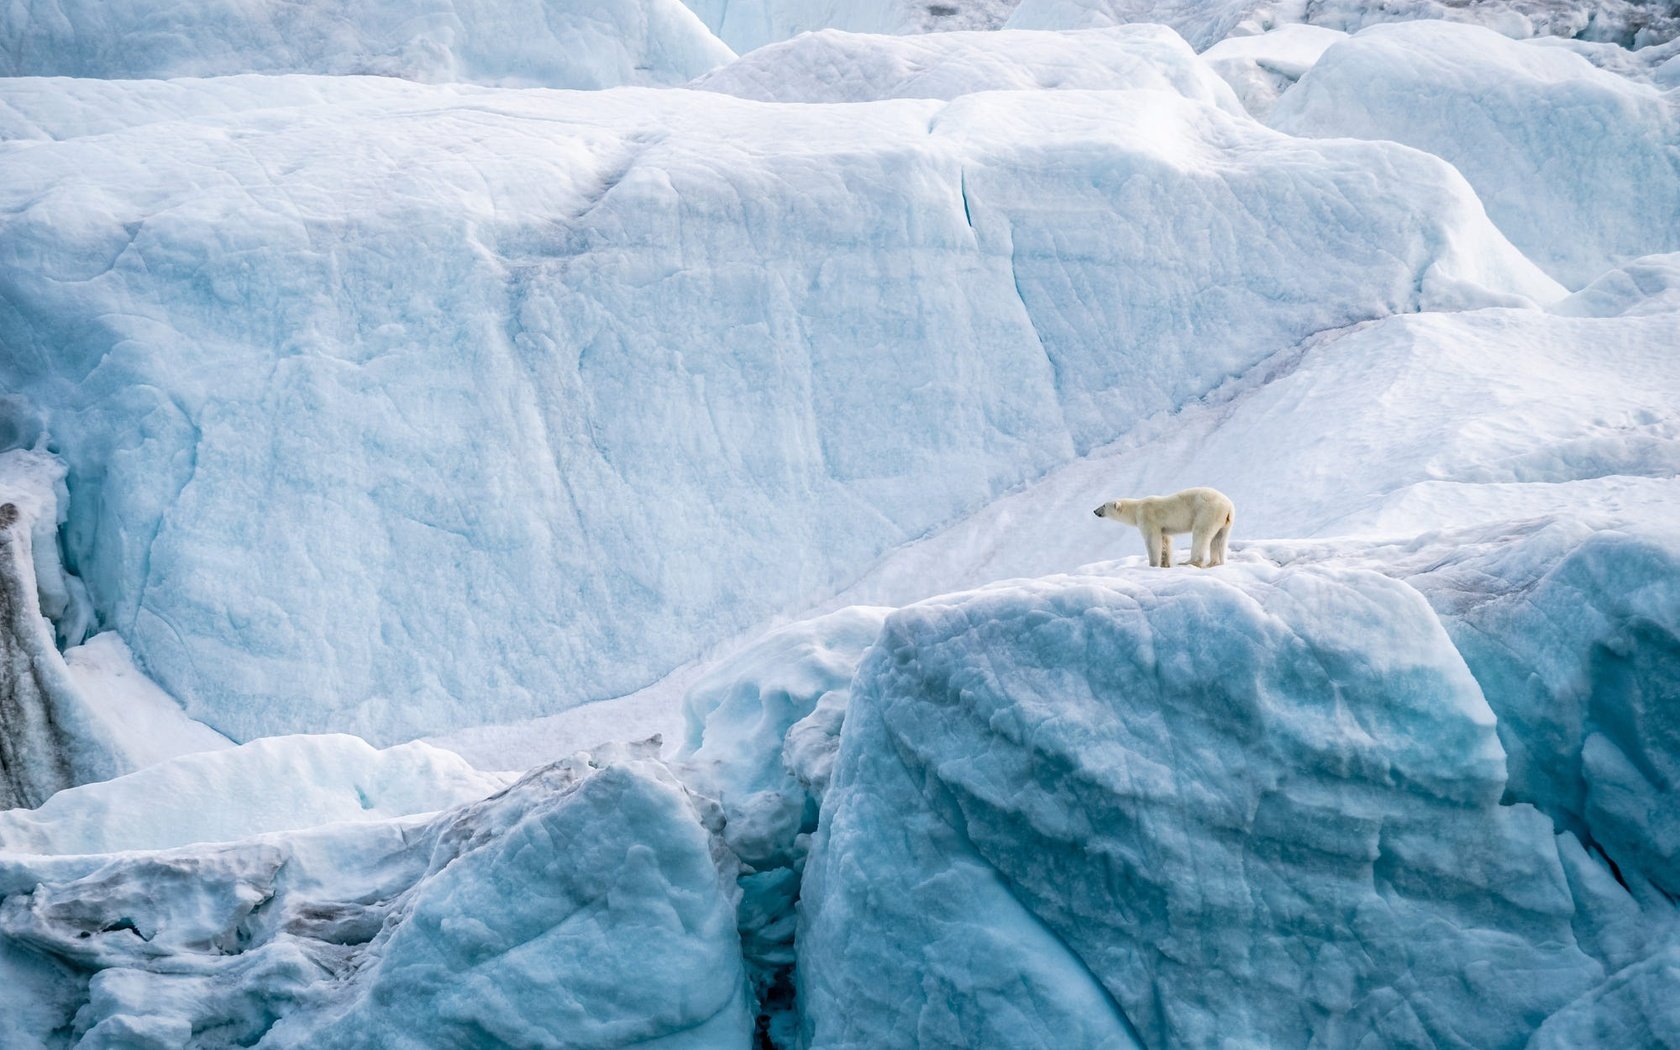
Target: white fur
1205, 513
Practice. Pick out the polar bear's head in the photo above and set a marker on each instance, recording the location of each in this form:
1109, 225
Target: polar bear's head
1124, 510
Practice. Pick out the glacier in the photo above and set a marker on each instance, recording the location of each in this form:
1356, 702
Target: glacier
651, 416
1202, 802
1578, 165
834, 66
1206, 23
520, 43
594, 875
696, 452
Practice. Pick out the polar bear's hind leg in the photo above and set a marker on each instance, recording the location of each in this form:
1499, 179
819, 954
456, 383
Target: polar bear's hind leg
1222, 540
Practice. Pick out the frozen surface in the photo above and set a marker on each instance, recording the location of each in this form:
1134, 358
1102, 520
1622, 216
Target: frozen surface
410, 411
1578, 165
1631, 23
763, 729
554, 43
584, 906
49, 736
832, 66
130, 708
1257, 805
272, 784
749, 24
1404, 426
1572, 627
1261, 67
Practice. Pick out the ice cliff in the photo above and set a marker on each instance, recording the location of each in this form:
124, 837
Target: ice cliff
700, 358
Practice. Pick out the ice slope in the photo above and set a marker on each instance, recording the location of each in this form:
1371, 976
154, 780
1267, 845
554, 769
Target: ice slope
1405, 426
272, 784
553, 43
832, 66
1579, 166
584, 906
1258, 806
1630, 23
430, 407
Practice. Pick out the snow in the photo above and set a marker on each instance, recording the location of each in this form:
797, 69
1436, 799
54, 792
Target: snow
1579, 166
746, 25
583, 906
130, 708
1257, 805
553, 43
759, 420
1394, 428
408, 411
831, 66
1204, 23
272, 784
1262, 67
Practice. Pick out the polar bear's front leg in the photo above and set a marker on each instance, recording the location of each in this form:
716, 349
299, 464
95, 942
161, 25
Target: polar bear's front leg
1152, 543
1166, 550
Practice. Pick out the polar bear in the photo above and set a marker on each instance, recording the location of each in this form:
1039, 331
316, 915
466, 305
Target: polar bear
1205, 513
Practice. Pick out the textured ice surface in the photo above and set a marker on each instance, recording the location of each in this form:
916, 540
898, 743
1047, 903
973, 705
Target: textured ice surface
556, 43
832, 66
1257, 805
1259, 68
145, 721
1407, 425
584, 906
1633, 23
763, 728
749, 24
273, 784
50, 738
1578, 165
429, 407
1573, 631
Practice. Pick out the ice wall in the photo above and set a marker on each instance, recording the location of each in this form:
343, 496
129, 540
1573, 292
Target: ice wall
423, 407
1259, 806
553, 43
48, 738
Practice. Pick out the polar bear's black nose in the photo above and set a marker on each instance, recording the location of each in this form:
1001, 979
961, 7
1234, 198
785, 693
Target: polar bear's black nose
1097, 512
